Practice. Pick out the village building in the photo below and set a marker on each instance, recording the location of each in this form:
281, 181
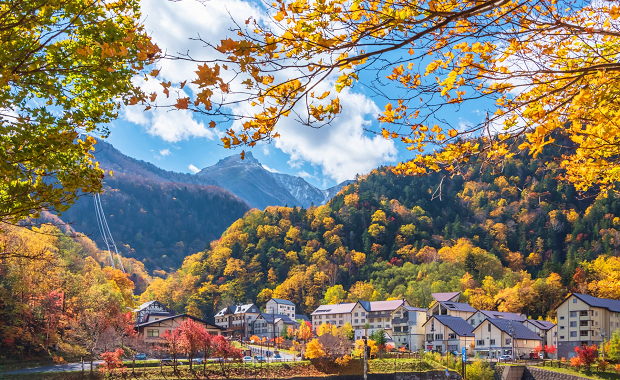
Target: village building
408, 327
478, 317
585, 320
495, 337
453, 309
237, 321
280, 306
541, 328
447, 333
153, 319
272, 325
337, 314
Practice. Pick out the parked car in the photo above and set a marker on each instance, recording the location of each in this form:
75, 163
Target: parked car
260, 359
197, 360
277, 358
141, 356
248, 359
505, 358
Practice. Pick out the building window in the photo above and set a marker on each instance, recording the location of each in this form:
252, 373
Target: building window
573, 324
363, 313
508, 341
489, 327
356, 314
438, 336
573, 314
454, 347
397, 329
429, 337
574, 300
452, 336
573, 333
562, 327
583, 333
562, 318
480, 343
561, 337
371, 320
152, 333
492, 342
355, 321
583, 323
583, 313
524, 341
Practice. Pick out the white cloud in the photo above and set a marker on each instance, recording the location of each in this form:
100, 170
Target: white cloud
304, 174
164, 152
270, 169
193, 168
341, 149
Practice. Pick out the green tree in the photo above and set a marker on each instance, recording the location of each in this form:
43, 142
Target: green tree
66, 67
614, 346
334, 295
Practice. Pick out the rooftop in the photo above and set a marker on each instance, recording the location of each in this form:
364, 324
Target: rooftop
458, 306
456, 324
341, 308
606, 303
502, 315
543, 325
520, 331
442, 297
281, 301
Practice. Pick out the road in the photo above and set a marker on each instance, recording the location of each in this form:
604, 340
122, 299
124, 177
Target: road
286, 357
55, 368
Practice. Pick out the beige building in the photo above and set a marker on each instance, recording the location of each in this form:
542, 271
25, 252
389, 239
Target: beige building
585, 320
447, 333
408, 327
495, 337
337, 314
541, 328
453, 309
478, 317
153, 330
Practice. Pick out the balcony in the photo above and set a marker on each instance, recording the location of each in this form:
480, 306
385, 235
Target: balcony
397, 321
378, 315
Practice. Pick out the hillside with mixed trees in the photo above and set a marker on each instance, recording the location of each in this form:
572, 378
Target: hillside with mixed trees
516, 241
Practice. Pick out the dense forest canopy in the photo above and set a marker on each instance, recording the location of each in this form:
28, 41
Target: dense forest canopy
518, 241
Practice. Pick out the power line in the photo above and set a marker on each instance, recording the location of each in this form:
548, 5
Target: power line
105, 232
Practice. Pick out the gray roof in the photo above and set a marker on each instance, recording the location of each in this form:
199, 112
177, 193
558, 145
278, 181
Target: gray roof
502, 315
520, 331
270, 318
283, 302
411, 308
302, 316
456, 324
178, 316
247, 308
458, 306
543, 325
341, 308
606, 303
442, 297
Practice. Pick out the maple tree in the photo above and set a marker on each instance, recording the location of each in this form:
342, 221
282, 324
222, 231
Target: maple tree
546, 69
192, 339
171, 343
587, 355
314, 350
112, 360
66, 68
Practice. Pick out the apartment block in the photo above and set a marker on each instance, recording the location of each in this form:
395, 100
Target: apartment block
495, 337
585, 320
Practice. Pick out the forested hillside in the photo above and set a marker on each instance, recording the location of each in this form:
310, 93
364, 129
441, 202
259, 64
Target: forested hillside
58, 288
158, 223
512, 241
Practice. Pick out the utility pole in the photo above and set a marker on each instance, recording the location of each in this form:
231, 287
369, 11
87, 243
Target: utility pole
602, 334
512, 339
365, 357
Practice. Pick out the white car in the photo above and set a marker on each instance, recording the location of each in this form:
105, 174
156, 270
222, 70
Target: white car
247, 359
505, 358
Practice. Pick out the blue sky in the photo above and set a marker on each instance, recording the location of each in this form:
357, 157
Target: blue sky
179, 140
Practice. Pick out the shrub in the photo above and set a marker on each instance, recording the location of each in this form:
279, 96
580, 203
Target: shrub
602, 365
480, 370
576, 362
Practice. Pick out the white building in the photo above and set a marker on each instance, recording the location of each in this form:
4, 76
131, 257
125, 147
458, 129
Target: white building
447, 333
280, 306
478, 317
496, 337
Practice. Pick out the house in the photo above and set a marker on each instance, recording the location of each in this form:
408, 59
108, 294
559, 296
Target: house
541, 328
446, 297
237, 321
337, 314
153, 330
368, 316
495, 337
552, 340
447, 333
280, 306
151, 311
453, 309
478, 317
585, 320
407, 327
272, 325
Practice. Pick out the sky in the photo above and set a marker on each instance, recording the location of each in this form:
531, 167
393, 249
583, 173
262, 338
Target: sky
181, 141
